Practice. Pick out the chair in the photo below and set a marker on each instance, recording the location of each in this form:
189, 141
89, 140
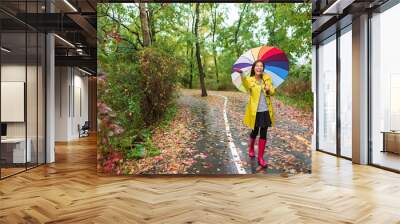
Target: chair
84, 130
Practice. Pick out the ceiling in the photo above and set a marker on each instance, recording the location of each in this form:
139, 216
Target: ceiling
74, 22
330, 15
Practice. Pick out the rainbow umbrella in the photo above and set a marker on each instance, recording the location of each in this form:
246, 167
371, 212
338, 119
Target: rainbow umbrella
275, 61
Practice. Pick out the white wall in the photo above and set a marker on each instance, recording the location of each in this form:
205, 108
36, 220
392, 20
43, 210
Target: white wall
34, 125
62, 81
14, 72
71, 93
80, 100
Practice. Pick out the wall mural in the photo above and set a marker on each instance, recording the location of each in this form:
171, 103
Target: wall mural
204, 88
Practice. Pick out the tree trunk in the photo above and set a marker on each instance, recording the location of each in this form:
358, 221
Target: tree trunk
191, 49
187, 50
191, 68
238, 29
201, 71
191, 56
216, 65
213, 38
150, 21
273, 30
145, 25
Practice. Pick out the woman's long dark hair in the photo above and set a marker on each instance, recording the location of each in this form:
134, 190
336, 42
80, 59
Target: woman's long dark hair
252, 72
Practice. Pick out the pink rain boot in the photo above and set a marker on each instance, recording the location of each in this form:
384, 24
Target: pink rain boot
251, 147
261, 149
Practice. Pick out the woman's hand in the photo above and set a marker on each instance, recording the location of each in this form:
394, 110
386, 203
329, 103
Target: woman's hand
266, 87
238, 70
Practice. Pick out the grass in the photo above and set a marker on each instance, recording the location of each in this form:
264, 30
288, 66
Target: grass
302, 101
168, 116
146, 148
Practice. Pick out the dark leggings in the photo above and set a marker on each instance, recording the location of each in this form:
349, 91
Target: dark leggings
263, 132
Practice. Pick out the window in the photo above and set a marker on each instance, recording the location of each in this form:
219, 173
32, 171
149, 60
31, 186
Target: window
346, 92
327, 95
385, 88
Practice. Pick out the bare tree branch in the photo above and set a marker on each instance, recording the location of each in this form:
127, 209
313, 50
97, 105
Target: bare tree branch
126, 27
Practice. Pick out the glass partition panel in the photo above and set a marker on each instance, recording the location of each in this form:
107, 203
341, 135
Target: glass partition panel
346, 92
32, 98
14, 153
41, 99
327, 96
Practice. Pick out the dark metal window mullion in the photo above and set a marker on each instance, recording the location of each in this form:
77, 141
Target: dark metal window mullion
69, 93
73, 92
26, 86
316, 96
45, 88
37, 90
338, 74
45, 94
369, 88
60, 91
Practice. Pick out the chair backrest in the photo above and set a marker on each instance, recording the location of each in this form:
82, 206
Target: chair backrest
86, 125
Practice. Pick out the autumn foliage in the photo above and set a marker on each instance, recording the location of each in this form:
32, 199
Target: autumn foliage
158, 81
132, 100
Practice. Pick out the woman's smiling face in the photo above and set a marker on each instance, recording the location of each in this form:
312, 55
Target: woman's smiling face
259, 68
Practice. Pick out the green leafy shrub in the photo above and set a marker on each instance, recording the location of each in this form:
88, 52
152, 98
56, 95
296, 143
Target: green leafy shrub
169, 115
296, 90
158, 83
144, 148
132, 99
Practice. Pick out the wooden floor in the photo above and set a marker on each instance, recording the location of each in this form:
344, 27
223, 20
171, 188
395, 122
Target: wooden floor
70, 191
10, 171
387, 159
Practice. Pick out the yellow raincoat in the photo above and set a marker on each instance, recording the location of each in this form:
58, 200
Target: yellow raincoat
252, 87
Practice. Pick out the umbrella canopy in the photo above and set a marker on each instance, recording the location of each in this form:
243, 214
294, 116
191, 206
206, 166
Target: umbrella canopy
275, 62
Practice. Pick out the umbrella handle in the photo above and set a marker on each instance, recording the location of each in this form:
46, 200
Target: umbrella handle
265, 85
238, 70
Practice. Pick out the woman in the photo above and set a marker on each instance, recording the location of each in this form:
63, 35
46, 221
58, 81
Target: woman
259, 113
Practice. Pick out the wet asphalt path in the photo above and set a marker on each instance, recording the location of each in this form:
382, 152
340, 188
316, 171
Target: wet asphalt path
214, 154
